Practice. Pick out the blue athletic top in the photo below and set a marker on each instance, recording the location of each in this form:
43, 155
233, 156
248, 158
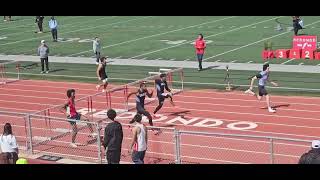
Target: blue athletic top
161, 85
263, 77
140, 97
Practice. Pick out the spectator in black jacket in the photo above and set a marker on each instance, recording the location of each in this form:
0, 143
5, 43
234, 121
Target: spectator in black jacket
313, 156
296, 24
113, 136
39, 21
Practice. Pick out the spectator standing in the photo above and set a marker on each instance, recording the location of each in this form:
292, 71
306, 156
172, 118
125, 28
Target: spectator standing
43, 52
8, 144
113, 136
53, 25
96, 49
200, 46
6, 18
313, 156
139, 141
39, 21
296, 24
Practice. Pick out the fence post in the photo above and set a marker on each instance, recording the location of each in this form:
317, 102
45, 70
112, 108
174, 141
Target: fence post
30, 147
182, 79
271, 151
177, 146
18, 69
99, 143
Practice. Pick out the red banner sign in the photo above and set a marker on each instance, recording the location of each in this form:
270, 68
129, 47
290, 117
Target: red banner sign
305, 42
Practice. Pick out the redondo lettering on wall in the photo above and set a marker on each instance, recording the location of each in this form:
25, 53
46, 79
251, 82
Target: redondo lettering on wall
177, 120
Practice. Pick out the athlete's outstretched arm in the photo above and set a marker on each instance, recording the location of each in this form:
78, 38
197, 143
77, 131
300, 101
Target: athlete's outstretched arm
252, 81
134, 139
273, 83
131, 95
64, 108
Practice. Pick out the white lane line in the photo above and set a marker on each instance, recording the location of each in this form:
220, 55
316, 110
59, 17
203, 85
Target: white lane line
243, 94
94, 27
154, 35
213, 35
232, 50
288, 61
203, 110
53, 84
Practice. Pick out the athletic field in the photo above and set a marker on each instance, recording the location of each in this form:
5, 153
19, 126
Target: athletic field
207, 124
229, 38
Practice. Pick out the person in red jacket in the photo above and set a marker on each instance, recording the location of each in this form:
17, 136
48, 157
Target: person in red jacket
200, 46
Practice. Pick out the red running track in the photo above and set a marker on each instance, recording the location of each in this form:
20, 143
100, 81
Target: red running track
296, 118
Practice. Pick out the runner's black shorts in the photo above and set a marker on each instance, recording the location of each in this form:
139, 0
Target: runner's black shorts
141, 110
262, 91
75, 117
162, 97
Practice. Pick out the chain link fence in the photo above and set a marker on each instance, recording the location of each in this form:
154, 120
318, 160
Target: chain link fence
37, 134
67, 138
220, 148
54, 136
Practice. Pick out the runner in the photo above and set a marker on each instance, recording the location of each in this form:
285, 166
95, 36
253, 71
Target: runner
263, 77
162, 84
140, 99
73, 116
102, 75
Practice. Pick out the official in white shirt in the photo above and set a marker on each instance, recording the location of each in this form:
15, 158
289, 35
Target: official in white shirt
53, 25
96, 46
